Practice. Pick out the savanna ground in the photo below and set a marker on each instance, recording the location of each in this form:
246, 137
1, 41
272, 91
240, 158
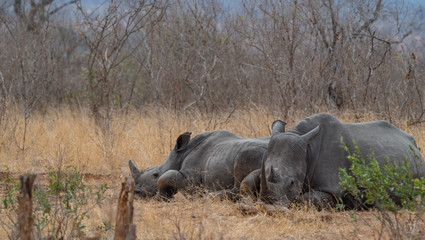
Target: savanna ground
70, 137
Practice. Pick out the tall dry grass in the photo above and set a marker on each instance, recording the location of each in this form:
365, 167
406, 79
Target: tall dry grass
70, 137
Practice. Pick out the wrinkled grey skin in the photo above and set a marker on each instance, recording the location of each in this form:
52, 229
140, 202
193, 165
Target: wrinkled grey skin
303, 163
215, 161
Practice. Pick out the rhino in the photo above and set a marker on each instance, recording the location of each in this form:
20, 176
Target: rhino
303, 163
217, 161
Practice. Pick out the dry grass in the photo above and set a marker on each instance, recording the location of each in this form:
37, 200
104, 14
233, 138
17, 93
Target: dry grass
66, 137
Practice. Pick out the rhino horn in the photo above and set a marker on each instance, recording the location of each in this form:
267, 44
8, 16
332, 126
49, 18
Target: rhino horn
278, 126
264, 188
134, 171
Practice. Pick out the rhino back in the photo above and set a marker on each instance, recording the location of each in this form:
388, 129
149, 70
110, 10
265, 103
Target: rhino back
176, 162
384, 140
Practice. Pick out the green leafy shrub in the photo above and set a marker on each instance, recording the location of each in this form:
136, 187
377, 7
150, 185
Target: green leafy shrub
9, 190
397, 199
59, 207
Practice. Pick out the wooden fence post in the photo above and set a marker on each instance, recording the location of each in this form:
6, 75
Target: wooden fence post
25, 220
124, 227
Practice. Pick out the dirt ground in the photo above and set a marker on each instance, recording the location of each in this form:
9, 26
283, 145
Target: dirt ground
208, 218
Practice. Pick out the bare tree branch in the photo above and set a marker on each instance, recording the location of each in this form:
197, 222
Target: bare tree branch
371, 20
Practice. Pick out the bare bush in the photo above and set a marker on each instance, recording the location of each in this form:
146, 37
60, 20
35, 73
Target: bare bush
283, 55
110, 73
33, 53
329, 53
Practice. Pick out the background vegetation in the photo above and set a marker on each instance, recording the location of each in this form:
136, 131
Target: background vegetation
215, 56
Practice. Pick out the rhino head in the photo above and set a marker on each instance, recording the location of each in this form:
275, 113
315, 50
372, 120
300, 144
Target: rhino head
284, 168
146, 181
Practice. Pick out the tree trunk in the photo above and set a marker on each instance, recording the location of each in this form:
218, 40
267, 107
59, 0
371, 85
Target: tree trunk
124, 227
26, 222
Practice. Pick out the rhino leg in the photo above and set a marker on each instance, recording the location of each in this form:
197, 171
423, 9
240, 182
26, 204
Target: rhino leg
250, 186
319, 199
170, 182
246, 162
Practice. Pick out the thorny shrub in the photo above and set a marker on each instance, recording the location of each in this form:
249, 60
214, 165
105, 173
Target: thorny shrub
60, 207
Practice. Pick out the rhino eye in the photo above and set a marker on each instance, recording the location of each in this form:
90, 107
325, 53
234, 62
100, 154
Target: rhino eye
155, 175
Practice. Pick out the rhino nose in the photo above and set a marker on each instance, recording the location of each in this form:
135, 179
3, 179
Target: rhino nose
139, 192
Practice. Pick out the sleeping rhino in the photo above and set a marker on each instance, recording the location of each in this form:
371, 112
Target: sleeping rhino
303, 163
215, 161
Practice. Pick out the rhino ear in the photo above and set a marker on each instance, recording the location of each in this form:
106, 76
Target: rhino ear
182, 141
278, 126
134, 171
310, 135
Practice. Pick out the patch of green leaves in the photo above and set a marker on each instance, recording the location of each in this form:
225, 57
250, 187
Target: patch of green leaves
398, 199
388, 186
11, 190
